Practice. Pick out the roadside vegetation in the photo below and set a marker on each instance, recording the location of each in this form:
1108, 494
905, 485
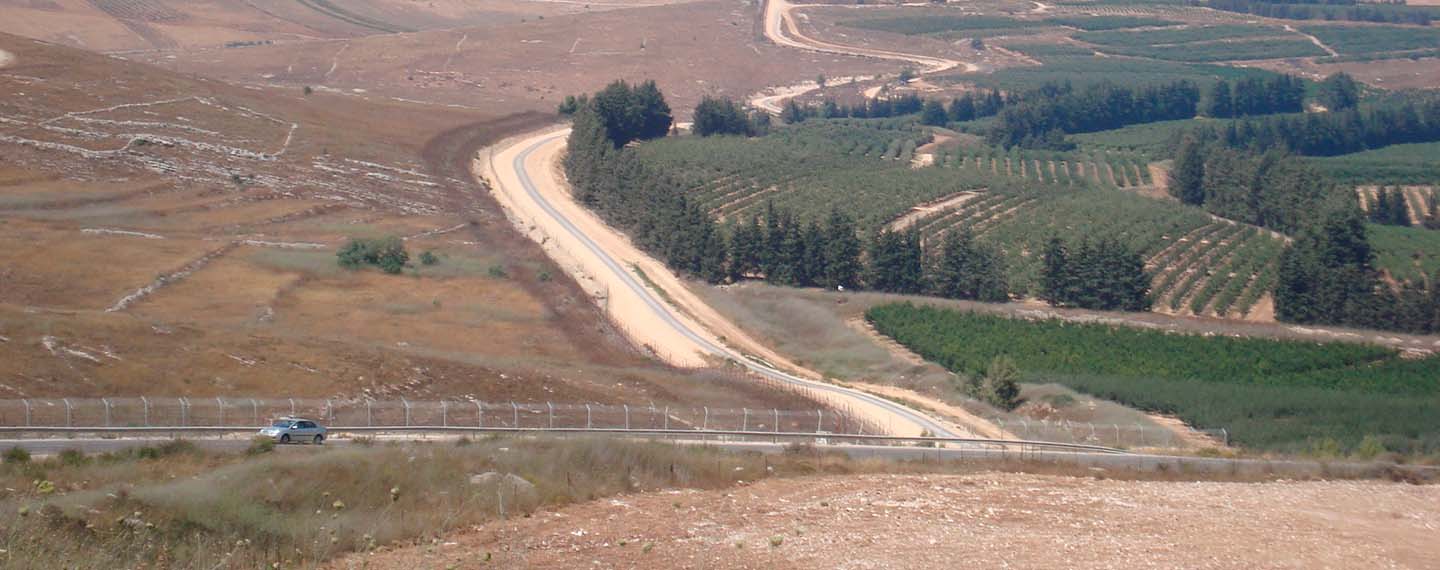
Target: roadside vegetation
1269, 394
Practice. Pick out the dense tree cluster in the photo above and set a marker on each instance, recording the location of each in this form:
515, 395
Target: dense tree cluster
387, 253
1103, 275
1273, 190
631, 113
1334, 133
878, 107
1339, 92
1041, 118
1254, 96
1328, 277
1385, 12
784, 251
723, 116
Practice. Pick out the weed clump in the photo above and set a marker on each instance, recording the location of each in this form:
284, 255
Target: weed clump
17, 455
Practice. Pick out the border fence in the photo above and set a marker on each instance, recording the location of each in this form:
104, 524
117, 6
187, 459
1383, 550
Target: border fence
240, 413
145, 412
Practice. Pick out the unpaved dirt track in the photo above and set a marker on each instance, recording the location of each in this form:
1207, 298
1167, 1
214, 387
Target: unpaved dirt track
525, 179
987, 520
781, 29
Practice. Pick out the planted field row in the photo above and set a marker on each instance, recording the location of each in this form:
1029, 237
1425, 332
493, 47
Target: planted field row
1270, 394
1121, 171
1420, 201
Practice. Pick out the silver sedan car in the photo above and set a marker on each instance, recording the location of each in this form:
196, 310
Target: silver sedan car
294, 430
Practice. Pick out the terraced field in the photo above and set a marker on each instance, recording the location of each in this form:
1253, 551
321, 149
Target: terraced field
1017, 199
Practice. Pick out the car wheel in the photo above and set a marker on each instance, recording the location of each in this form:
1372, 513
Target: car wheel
319, 440
285, 438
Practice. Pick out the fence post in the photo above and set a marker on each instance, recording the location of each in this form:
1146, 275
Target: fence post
1142, 433
551, 407
667, 418
67, 412
515, 415
406, 403
444, 414
184, 412
819, 421
745, 422
479, 414
627, 415
329, 412
588, 423
706, 425
221, 404
106, 401
369, 414
254, 413
27, 412
292, 407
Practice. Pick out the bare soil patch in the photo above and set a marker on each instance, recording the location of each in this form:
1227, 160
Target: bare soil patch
989, 520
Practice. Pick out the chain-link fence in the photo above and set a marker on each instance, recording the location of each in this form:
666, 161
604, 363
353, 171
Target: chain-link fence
254, 412
1111, 435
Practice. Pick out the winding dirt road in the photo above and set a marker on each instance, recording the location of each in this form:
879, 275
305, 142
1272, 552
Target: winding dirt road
780, 28
649, 302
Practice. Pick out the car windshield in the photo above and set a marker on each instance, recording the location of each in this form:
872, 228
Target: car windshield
280, 423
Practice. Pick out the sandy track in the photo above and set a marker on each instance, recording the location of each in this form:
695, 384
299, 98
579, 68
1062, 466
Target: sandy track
987, 520
681, 328
780, 28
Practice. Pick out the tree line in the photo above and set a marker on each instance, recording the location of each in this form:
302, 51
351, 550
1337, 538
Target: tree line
1254, 96
934, 112
1041, 118
1333, 133
1381, 12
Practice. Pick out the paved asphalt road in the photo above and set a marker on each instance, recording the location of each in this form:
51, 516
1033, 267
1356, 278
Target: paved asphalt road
925, 422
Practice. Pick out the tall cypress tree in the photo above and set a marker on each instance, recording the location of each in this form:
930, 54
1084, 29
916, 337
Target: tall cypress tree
1055, 273
842, 252
1220, 103
1187, 177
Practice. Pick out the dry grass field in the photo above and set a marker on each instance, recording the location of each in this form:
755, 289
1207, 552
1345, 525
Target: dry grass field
167, 235
125, 25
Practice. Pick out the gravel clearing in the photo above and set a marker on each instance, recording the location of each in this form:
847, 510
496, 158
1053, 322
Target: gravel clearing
989, 520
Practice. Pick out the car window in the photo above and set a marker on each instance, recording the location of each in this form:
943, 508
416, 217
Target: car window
280, 424
307, 425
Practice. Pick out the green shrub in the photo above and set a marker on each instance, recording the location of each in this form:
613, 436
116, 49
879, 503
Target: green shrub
498, 271
17, 455
428, 257
387, 253
73, 457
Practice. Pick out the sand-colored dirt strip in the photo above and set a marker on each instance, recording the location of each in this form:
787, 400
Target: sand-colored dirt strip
986, 520
6, 58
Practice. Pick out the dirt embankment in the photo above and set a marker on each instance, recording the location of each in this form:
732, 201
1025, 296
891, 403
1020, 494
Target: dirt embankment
987, 520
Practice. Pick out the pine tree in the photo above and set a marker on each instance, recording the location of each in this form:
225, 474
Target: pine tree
933, 114
962, 108
1055, 274
1220, 103
1187, 177
654, 112
1339, 92
842, 253
1001, 386
746, 244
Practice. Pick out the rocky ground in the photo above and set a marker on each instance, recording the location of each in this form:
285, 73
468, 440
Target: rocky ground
989, 520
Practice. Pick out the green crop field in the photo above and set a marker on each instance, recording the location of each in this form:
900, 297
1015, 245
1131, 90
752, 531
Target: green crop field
1269, 394
1083, 70
1407, 253
1148, 139
1145, 38
1224, 51
1043, 50
1394, 164
1101, 23
1373, 39
934, 24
